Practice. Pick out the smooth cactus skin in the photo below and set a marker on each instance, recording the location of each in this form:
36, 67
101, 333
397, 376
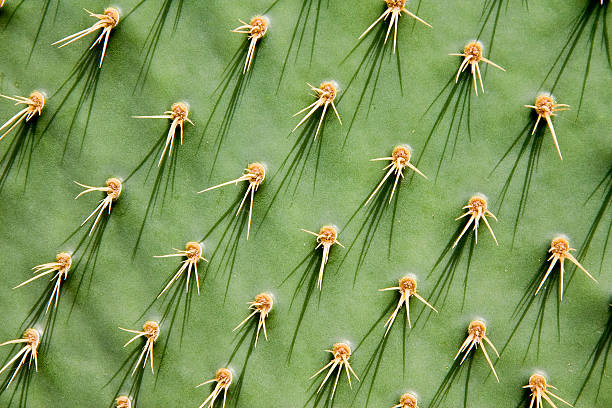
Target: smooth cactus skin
37, 215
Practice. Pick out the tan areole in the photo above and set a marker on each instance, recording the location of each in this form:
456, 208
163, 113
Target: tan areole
395, 8
223, 379
325, 94
559, 251
256, 29
112, 189
400, 159
28, 352
477, 210
263, 305
407, 401
178, 114
255, 175
34, 106
150, 331
407, 287
341, 353
540, 390
472, 55
106, 22
60, 267
545, 106
327, 236
477, 336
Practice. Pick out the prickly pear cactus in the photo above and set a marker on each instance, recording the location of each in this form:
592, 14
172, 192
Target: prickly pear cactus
226, 251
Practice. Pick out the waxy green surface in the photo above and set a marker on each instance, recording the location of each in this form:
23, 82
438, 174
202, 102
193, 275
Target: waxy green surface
188, 65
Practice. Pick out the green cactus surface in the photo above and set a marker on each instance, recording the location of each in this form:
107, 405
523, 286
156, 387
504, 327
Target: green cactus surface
167, 51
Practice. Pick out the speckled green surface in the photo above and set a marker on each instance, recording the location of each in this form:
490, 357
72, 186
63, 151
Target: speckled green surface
87, 345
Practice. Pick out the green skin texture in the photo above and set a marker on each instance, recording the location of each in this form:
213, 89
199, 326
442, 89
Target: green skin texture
87, 348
